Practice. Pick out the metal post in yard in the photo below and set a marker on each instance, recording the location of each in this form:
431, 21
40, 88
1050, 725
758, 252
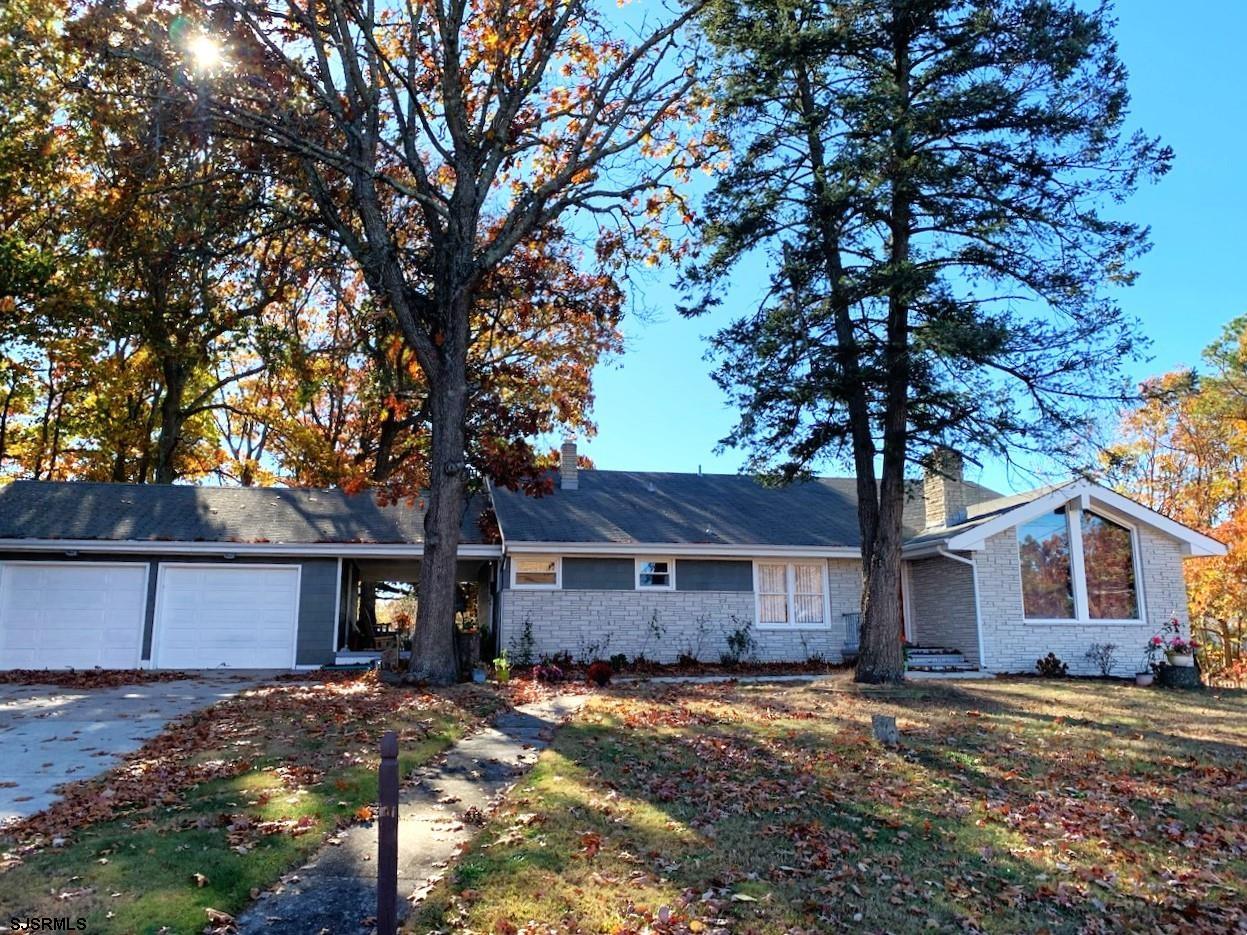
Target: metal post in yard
387, 837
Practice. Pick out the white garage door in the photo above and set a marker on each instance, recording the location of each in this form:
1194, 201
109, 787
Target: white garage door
239, 616
60, 615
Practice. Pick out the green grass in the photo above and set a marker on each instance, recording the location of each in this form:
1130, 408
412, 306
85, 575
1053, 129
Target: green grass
1012, 805
305, 755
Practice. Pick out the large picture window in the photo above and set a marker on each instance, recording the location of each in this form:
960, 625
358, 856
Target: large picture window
1047, 584
791, 594
1077, 565
1108, 556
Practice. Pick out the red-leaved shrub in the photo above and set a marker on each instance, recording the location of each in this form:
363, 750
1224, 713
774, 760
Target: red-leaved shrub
600, 673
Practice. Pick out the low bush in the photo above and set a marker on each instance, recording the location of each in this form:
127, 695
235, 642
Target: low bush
1051, 667
600, 673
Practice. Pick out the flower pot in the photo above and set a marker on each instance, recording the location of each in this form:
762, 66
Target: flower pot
1144, 679
1184, 660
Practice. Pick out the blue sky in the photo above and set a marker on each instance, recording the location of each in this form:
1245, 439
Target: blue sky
657, 408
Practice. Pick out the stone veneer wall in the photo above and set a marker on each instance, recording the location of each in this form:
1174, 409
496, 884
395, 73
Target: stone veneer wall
1012, 644
602, 623
941, 600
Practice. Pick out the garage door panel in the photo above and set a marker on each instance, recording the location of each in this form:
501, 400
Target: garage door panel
234, 616
71, 615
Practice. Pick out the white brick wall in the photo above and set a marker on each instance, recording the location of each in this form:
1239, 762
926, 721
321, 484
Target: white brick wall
572, 621
941, 599
1012, 644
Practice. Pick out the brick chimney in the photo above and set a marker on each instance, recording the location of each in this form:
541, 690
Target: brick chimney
944, 489
569, 474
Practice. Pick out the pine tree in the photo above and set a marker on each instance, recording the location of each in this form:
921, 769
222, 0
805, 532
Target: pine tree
928, 180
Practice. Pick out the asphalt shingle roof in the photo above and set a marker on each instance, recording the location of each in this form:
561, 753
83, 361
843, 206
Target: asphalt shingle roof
713, 509
176, 513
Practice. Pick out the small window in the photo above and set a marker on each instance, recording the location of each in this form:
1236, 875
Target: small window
655, 573
535, 571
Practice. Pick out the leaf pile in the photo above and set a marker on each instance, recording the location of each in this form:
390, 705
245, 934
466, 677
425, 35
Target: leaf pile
90, 678
1009, 806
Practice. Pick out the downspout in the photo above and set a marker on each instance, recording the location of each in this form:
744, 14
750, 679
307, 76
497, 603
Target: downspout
978, 613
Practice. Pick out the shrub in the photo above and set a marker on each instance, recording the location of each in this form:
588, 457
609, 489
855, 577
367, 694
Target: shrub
593, 649
1051, 667
600, 673
562, 659
502, 668
619, 661
1103, 656
655, 631
686, 660
522, 644
740, 643
690, 653
548, 672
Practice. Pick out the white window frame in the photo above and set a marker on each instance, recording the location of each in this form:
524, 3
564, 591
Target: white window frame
641, 560
1078, 571
790, 578
558, 572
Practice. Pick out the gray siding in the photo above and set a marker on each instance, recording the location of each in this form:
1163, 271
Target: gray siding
314, 644
941, 599
605, 622
318, 588
599, 574
696, 574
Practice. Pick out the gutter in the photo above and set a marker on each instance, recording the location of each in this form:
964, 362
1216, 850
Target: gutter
285, 549
978, 612
701, 550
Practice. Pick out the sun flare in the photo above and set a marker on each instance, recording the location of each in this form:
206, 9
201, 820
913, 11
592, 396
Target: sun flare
206, 53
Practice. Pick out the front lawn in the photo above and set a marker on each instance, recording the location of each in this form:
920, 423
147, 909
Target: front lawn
1020, 805
222, 804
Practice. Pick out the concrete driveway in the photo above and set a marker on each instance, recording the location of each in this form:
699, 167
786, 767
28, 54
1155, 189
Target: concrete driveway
50, 735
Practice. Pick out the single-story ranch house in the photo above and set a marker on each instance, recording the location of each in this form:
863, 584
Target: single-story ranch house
664, 564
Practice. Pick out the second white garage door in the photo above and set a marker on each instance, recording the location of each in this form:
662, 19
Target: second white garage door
237, 616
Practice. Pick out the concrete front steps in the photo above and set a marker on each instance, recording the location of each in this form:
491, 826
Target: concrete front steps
935, 660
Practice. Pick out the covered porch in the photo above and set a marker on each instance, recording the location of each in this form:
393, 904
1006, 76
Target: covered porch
378, 606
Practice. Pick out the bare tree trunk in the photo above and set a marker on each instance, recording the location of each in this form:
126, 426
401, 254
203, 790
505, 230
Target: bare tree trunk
171, 421
432, 642
882, 658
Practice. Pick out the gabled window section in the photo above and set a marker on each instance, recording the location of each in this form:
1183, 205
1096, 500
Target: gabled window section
655, 574
536, 572
791, 595
1078, 565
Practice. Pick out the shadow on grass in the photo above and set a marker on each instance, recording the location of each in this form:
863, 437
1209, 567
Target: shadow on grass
696, 805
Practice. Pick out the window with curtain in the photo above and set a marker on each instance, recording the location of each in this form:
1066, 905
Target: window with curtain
791, 594
772, 595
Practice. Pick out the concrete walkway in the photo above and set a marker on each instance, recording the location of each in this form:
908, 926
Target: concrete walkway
336, 891
51, 735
